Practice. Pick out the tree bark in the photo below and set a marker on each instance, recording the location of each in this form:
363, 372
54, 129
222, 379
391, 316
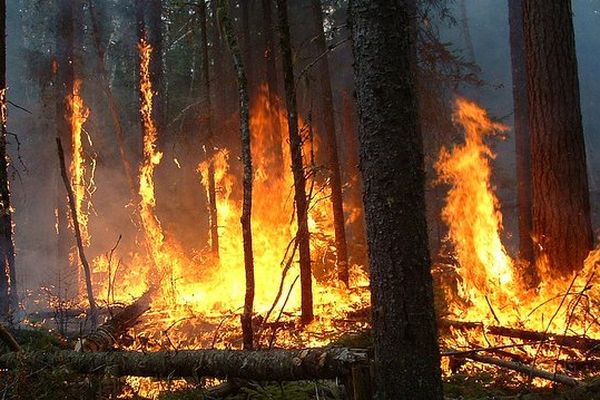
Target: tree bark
155, 38
303, 235
206, 116
407, 359
246, 218
8, 283
521, 129
561, 206
65, 77
265, 365
330, 135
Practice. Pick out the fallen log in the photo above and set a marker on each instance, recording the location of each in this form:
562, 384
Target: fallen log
525, 369
106, 335
576, 342
260, 365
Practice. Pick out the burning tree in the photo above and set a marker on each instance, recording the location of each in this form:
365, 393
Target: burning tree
561, 207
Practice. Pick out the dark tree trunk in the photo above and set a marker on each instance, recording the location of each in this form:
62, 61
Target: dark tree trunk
561, 207
140, 23
155, 38
406, 349
246, 6
269, 47
65, 77
303, 236
112, 102
270, 79
206, 117
246, 218
330, 135
521, 129
8, 283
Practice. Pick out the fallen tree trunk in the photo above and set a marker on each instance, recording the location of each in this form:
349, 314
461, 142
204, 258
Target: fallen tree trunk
107, 334
261, 365
575, 342
525, 369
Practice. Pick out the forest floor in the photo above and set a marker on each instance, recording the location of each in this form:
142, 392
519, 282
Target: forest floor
51, 384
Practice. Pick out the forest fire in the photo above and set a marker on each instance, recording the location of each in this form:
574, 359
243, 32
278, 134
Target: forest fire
288, 199
195, 296
491, 288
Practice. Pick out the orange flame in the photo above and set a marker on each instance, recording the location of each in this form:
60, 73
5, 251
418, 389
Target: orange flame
79, 114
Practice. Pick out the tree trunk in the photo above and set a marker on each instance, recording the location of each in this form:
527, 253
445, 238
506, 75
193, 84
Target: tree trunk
521, 129
93, 313
206, 117
270, 78
112, 103
65, 77
155, 38
8, 283
561, 207
246, 218
302, 236
265, 365
330, 135
392, 166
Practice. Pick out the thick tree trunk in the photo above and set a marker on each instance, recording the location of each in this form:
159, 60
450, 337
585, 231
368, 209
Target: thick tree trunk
406, 349
266, 365
561, 206
206, 117
521, 129
330, 135
246, 218
303, 235
8, 283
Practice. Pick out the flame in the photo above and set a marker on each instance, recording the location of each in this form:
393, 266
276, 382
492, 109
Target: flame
472, 210
490, 287
79, 114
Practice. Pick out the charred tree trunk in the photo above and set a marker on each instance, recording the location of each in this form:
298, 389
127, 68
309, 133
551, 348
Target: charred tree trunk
521, 129
561, 206
112, 102
8, 286
65, 78
303, 236
246, 218
333, 163
206, 116
392, 165
155, 38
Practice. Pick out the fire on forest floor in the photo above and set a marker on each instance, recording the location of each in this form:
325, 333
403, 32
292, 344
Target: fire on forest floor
198, 298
